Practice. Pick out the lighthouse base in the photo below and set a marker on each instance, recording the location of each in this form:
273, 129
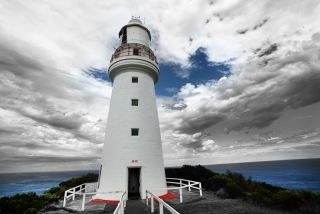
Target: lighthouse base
107, 197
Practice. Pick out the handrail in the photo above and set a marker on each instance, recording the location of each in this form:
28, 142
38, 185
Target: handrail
83, 190
121, 205
134, 50
161, 204
90, 189
191, 184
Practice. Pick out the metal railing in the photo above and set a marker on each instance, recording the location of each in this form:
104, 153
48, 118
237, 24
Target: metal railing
90, 189
121, 205
134, 50
83, 189
183, 183
161, 203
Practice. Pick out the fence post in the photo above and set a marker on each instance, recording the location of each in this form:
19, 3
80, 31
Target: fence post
161, 208
189, 186
65, 199
152, 205
180, 191
200, 188
147, 198
83, 201
122, 208
74, 194
180, 183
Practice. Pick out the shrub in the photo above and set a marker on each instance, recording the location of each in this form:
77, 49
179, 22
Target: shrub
194, 173
237, 186
73, 182
31, 211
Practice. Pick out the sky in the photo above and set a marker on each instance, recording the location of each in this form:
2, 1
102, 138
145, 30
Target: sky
240, 80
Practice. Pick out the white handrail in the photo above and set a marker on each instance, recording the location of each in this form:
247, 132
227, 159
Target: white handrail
161, 204
87, 188
90, 188
121, 205
191, 184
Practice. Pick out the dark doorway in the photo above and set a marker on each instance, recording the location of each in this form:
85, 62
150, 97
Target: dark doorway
134, 183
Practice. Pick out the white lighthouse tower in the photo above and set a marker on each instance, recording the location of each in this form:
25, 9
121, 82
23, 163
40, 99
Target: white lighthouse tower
132, 158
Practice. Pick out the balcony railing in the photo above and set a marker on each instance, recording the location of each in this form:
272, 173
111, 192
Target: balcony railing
134, 50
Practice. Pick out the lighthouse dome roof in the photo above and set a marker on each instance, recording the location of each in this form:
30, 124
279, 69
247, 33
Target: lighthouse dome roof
135, 21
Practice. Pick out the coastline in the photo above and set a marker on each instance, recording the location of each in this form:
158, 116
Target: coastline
228, 193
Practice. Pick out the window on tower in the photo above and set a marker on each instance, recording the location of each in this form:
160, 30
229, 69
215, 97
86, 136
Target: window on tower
136, 51
134, 132
124, 36
134, 102
135, 79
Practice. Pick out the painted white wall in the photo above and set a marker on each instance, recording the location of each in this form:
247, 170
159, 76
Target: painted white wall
136, 34
120, 148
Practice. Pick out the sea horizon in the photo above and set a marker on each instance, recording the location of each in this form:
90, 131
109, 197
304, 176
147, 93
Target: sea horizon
165, 166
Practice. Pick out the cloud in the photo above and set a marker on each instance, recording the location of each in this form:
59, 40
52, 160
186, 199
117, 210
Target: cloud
253, 96
172, 90
54, 55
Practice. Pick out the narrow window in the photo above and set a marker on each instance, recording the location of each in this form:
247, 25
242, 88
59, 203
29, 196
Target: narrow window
136, 51
135, 79
124, 37
134, 102
134, 132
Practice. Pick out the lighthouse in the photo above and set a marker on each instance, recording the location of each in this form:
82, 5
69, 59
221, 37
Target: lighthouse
132, 158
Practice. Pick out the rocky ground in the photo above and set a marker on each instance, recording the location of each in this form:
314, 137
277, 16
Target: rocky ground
210, 203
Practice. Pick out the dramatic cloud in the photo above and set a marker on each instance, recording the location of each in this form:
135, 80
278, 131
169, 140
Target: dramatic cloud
54, 94
277, 77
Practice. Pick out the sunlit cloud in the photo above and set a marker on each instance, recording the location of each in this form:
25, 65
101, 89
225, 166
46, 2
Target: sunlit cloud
55, 94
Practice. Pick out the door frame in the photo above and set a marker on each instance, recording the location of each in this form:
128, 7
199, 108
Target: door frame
140, 179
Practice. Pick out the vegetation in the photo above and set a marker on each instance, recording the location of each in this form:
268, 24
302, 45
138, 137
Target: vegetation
235, 185
30, 203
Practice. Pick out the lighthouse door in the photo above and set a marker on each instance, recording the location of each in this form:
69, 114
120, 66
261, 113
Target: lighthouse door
134, 183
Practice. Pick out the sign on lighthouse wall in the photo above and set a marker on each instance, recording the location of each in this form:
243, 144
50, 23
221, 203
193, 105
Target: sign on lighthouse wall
132, 158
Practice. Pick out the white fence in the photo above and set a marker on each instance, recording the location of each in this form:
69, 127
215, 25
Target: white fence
91, 189
83, 189
161, 203
182, 183
121, 205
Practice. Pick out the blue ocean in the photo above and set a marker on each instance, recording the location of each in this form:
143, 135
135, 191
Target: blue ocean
292, 174
13, 183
